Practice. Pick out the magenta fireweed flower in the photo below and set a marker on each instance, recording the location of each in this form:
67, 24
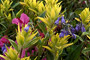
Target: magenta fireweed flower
57, 21
62, 20
24, 19
26, 28
2, 58
3, 41
44, 58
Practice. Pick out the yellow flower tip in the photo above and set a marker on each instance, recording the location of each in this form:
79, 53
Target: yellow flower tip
88, 36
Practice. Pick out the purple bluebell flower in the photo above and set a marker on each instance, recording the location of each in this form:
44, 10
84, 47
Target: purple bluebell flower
62, 33
77, 28
27, 28
83, 28
57, 21
4, 49
66, 33
74, 36
72, 30
62, 20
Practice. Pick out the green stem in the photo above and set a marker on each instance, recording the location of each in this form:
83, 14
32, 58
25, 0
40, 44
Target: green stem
21, 52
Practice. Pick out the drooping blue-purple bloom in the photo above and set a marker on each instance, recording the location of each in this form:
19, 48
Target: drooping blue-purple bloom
62, 20
74, 36
83, 28
66, 33
3, 49
27, 28
77, 28
57, 21
62, 33
72, 30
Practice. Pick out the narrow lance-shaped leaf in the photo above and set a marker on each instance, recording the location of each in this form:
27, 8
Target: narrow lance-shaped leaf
32, 42
13, 44
42, 28
74, 55
42, 19
48, 48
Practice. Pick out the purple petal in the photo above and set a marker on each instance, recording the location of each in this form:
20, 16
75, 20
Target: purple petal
74, 36
57, 21
72, 30
61, 34
62, 20
83, 29
67, 33
26, 28
77, 28
24, 18
4, 49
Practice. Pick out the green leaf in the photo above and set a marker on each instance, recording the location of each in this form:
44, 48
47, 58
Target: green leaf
35, 58
74, 55
79, 38
85, 33
13, 14
42, 27
13, 44
32, 42
86, 50
31, 36
19, 13
16, 4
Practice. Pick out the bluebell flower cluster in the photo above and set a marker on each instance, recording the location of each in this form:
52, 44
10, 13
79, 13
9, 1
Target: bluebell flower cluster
71, 30
63, 32
62, 20
80, 28
66, 32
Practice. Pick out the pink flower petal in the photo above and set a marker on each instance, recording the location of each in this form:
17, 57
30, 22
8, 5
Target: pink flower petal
24, 18
23, 54
15, 21
32, 51
44, 58
28, 54
1, 43
4, 39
